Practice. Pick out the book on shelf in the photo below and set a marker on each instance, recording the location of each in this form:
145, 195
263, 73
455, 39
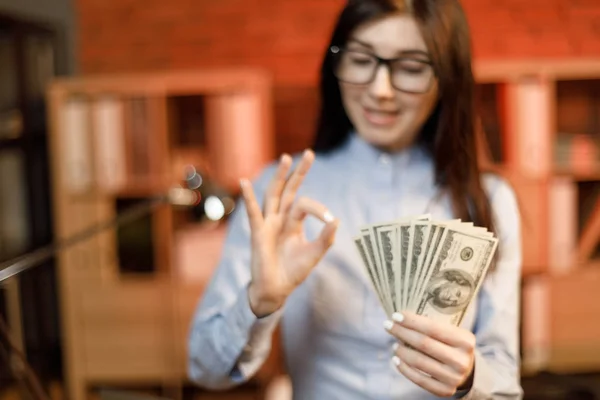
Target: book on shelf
76, 141
562, 224
111, 173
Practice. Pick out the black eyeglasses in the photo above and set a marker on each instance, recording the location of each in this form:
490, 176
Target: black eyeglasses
359, 67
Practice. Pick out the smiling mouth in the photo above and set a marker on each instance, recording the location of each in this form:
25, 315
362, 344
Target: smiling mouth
381, 118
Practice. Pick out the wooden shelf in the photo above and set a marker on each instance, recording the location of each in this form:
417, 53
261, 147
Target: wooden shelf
562, 322
557, 185
495, 71
117, 140
578, 175
180, 82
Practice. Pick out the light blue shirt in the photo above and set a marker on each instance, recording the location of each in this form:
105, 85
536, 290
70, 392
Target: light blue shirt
333, 338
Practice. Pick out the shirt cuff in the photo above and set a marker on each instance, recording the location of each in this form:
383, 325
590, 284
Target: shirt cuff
482, 381
246, 328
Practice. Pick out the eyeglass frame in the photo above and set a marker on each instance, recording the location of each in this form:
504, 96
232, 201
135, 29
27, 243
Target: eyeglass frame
337, 50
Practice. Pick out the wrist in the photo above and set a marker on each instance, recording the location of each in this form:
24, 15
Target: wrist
261, 305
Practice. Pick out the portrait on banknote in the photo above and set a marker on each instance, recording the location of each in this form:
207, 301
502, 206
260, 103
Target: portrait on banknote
450, 290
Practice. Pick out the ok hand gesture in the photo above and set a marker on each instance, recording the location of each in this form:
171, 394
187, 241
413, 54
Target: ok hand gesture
282, 257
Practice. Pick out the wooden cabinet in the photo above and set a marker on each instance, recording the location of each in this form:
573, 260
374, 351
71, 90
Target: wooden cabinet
127, 295
561, 324
544, 116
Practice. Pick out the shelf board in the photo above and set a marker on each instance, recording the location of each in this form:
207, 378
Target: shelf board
490, 71
581, 176
165, 83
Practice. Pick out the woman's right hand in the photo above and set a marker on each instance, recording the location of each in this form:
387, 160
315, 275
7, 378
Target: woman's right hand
282, 257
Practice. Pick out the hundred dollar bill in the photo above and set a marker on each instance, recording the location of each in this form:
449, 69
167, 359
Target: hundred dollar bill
368, 239
372, 274
389, 258
390, 275
402, 284
456, 273
419, 235
435, 235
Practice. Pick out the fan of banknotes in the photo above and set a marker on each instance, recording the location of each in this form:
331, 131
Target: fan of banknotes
432, 268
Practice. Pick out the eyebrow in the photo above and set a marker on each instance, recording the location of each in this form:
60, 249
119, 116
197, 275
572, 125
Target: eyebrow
407, 52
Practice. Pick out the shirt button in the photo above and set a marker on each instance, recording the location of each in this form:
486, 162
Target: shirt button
385, 159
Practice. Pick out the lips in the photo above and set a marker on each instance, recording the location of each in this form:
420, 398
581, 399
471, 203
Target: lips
380, 117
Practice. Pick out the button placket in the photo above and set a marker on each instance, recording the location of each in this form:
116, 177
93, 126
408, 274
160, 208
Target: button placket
385, 170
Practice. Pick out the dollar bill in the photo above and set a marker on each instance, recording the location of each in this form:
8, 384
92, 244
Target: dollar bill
457, 270
390, 274
436, 232
417, 249
433, 268
387, 237
371, 273
368, 239
403, 241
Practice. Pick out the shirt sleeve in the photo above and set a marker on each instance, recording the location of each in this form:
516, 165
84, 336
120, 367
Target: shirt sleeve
227, 342
497, 357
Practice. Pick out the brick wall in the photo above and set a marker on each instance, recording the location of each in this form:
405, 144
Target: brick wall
288, 38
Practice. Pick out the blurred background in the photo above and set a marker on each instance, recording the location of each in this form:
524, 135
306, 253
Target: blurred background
105, 105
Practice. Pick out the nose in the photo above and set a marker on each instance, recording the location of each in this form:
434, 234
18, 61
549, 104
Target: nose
381, 87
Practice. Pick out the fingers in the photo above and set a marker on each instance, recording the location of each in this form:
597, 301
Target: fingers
438, 357
278, 182
449, 334
327, 236
430, 346
295, 180
253, 210
428, 365
434, 386
305, 206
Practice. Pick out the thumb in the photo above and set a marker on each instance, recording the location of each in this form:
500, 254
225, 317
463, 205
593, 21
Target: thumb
326, 238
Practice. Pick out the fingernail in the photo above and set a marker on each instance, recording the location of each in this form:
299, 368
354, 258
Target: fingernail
395, 346
243, 182
387, 324
328, 216
398, 317
396, 361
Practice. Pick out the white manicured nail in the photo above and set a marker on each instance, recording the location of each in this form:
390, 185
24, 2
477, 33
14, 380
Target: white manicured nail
387, 324
396, 361
395, 346
398, 317
328, 216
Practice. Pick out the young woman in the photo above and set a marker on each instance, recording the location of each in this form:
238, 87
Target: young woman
395, 138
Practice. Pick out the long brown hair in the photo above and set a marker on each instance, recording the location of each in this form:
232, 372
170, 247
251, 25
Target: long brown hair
449, 135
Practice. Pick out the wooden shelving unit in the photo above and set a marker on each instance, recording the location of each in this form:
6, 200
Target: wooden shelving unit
546, 115
128, 294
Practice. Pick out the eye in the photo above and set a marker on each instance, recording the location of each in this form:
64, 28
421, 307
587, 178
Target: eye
412, 67
360, 59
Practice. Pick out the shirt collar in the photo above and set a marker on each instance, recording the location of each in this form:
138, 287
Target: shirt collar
364, 152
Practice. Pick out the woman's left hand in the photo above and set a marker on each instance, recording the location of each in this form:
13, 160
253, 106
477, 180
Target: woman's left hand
440, 357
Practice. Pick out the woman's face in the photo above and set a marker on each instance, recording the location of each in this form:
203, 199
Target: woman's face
381, 114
